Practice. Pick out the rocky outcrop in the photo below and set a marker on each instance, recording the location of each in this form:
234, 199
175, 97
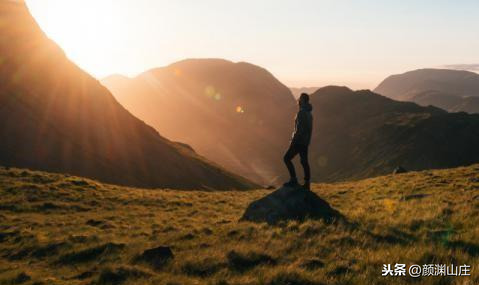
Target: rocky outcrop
289, 203
399, 170
156, 257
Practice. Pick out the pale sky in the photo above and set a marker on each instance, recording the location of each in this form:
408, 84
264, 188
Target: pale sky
302, 42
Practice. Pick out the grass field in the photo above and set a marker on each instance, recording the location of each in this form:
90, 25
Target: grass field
57, 229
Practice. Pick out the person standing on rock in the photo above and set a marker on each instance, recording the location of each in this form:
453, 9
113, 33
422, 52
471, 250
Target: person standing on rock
300, 142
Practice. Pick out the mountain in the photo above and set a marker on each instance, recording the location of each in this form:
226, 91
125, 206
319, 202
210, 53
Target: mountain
407, 85
448, 102
58, 229
297, 91
236, 114
357, 134
55, 117
452, 90
360, 134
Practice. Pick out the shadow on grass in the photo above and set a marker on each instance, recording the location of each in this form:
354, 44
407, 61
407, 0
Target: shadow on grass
242, 262
471, 248
90, 254
394, 236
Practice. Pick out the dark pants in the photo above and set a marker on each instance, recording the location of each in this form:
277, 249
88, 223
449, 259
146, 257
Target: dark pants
293, 150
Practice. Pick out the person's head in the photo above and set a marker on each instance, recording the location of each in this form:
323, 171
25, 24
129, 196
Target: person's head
303, 99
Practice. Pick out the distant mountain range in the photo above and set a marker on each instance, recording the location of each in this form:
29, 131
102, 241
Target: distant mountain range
55, 117
446, 101
360, 134
236, 114
452, 90
357, 134
297, 91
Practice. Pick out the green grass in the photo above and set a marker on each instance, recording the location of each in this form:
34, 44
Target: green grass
57, 229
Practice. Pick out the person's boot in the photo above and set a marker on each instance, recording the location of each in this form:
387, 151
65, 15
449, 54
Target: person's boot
307, 185
293, 182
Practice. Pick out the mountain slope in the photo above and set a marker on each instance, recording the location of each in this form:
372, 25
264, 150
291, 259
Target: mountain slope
405, 86
69, 230
55, 117
452, 90
437, 99
236, 114
448, 102
362, 134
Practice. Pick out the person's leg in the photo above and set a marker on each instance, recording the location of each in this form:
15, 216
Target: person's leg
290, 154
303, 153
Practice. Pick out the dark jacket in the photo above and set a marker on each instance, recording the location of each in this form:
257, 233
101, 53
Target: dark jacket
303, 126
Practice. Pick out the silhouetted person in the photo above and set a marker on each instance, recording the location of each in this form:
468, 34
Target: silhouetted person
300, 142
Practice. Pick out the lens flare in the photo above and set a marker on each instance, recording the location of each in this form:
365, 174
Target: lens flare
210, 91
239, 110
322, 161
177, 72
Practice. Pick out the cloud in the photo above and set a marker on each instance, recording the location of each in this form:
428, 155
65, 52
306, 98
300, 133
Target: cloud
470, 67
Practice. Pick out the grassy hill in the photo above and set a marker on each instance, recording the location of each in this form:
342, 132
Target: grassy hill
58, 229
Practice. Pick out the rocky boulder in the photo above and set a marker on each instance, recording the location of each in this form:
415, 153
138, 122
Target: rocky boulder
156, 257
399, 170
289, 203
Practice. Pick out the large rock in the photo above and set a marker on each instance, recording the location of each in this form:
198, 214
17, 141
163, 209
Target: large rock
288, 203
156, 257
399, 170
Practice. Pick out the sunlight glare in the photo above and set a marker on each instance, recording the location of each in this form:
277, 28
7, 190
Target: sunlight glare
88, 30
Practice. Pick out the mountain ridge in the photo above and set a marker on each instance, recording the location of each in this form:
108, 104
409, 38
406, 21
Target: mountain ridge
459, 82
360, 134
234, 113
56, 117
437, 87
363, 134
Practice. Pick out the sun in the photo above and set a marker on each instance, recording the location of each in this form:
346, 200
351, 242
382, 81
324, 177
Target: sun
88, 30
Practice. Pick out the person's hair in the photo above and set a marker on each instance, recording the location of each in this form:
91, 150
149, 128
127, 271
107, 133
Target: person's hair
304, 97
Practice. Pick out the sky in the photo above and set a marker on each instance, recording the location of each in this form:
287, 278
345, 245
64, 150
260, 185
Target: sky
302, 42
